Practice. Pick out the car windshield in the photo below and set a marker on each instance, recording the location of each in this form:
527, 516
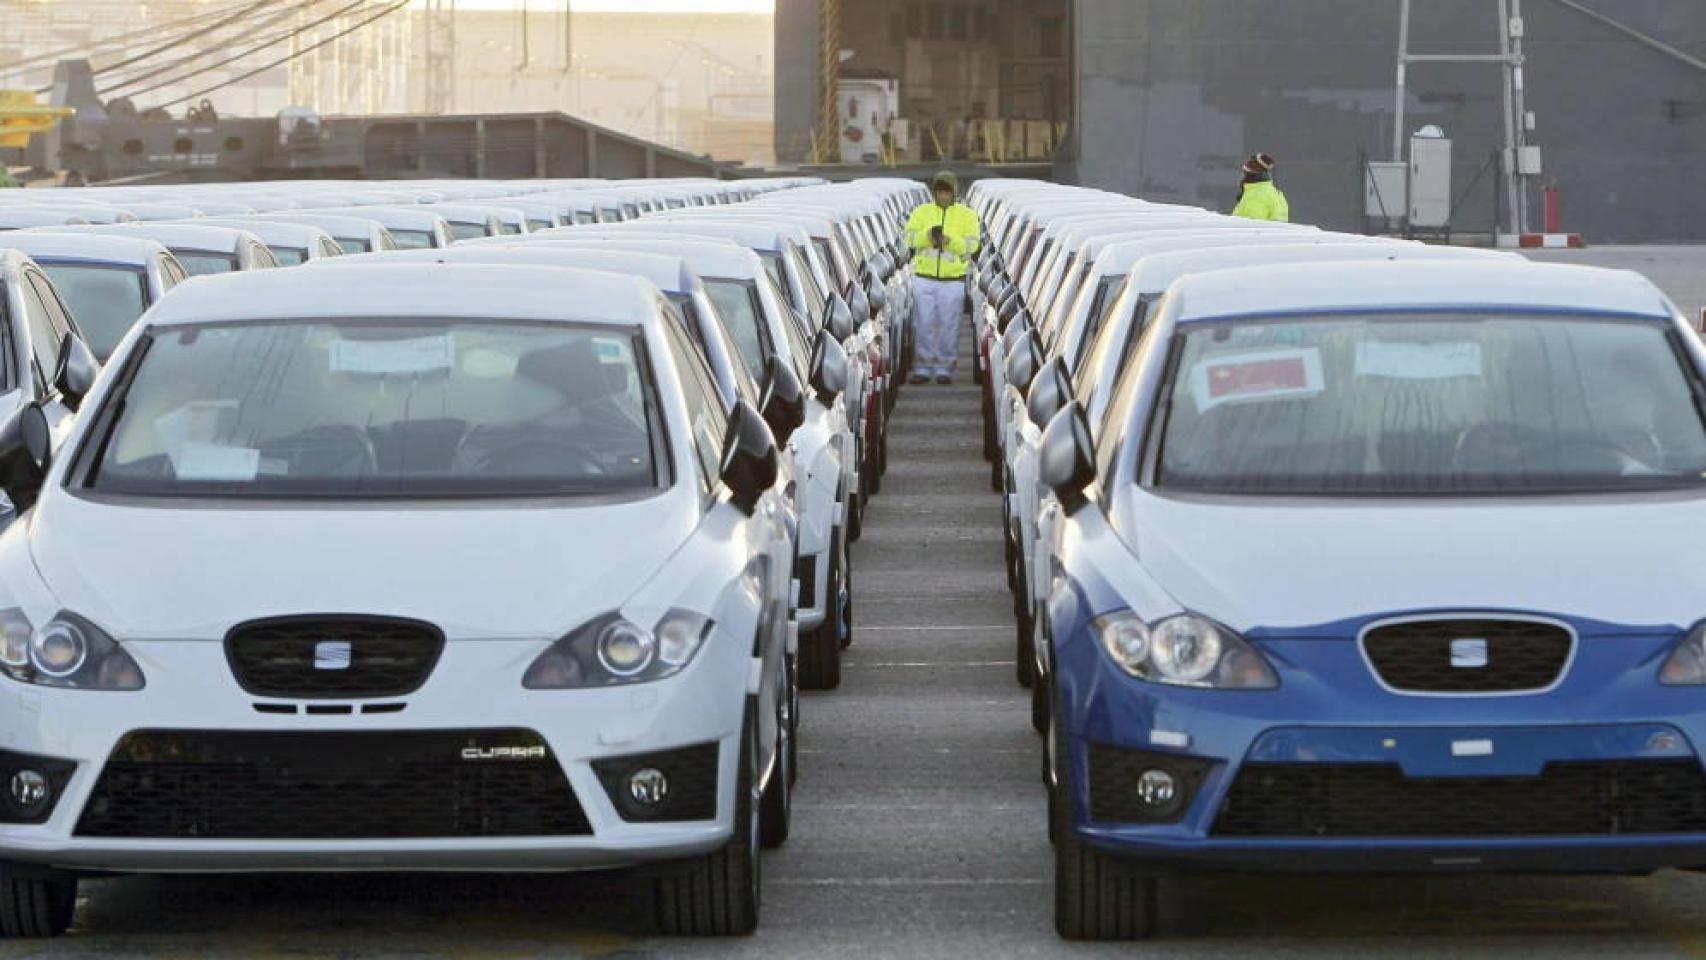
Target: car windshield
381, 409
289, 256
412, 239
736, 303
1408, 404
463, 230
200, 262
355, 244
105, 300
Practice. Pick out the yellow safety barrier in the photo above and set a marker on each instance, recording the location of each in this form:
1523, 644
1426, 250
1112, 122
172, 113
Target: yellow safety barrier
21, 117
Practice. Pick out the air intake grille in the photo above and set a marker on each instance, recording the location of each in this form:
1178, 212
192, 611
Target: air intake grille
333, 657
1468, 656
1377, 800
332, 785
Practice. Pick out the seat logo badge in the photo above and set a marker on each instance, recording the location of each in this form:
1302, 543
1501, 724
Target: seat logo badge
1469, 653
536, 752
332, 655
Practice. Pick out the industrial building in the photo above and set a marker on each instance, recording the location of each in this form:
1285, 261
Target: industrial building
1165, 98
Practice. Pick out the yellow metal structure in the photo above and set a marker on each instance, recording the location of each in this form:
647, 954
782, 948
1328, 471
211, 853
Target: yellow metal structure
21, 116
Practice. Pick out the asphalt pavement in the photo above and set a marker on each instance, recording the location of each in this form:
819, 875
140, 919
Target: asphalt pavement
918, 828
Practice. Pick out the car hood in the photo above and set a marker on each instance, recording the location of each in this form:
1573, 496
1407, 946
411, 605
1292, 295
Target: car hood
1291, 564
477, 571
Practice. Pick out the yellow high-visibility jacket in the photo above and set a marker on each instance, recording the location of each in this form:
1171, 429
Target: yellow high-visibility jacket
1263, 201
959, 224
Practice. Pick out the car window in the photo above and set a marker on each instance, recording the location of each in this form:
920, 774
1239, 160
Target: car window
44, 342
737, 305
794, 332
198, 263
289, 256
463, 230
412, 239
381, 409
1419, 403
171, 272
706, 419
355, 245
105, 299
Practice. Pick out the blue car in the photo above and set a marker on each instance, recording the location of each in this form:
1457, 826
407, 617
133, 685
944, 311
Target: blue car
1379, 567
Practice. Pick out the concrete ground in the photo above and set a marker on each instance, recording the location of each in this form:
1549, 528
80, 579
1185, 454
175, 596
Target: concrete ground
918, 826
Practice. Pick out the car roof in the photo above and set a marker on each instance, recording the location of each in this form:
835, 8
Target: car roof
188, 236
707, 256
671, 274
1388, 287
429, 290
1157, 271
105, 248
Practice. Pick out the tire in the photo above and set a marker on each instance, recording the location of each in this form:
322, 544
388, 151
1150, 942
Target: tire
35, 907
1025, 650
1042, 706
716, 895
989, 450
776, 805
794, 721
1096, 897
820, 647
856, 510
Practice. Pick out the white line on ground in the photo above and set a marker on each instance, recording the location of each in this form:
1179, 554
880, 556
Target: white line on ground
904, 882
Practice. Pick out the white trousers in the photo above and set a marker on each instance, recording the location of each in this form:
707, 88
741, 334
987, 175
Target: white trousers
938, 307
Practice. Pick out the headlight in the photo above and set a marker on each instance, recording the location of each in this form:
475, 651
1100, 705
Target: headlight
1686, 665
611, 650
68, 651
1185, 650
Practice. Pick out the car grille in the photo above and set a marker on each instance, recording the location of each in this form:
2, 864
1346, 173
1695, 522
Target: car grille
332, 785
333, 657
1491, 656
1377, 800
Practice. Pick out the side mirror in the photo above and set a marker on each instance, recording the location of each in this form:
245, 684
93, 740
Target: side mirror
749, 464
77, 370
1014, 331
1066, 459
784, 399
858, 303
1023, 363
37, 436
1050, 390
838, 317
874, 292
1700, 324
829, 367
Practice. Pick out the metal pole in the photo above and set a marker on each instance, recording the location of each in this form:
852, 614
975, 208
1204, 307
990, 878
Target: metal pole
1514, 183
1403, 80
1519, 101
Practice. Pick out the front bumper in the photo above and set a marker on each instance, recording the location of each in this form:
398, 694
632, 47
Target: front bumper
1331, 773
473, 688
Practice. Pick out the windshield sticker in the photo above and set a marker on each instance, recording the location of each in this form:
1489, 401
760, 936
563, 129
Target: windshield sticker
1249, 377
215, 462
1418, 361
384, 358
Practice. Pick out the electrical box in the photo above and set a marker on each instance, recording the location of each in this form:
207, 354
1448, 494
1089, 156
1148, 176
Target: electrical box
1430, 180
1386, 190
1528, 161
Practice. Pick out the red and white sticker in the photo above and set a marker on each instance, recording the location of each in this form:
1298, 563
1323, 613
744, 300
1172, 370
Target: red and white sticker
1283, 374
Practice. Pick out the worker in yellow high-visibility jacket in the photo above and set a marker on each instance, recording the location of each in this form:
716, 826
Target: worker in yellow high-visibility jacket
1260, 199
945, 233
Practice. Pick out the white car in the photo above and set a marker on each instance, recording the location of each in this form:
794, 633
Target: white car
392, 569
107, 281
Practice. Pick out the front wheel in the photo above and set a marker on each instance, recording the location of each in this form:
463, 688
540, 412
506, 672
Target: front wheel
776, 806
34, 907
1096, 897
820, 647
716, 895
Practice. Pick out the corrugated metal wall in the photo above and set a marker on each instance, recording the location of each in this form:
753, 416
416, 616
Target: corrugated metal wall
1172, 94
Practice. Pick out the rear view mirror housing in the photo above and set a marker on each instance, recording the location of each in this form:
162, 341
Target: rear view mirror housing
77, 370
829, 367
838, 317
1066, 458
1051, 390
750, 463
784, 403
1023, 362
858, 303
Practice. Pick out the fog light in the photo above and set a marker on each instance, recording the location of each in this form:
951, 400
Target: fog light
29, 790
1157, 788
648, 786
